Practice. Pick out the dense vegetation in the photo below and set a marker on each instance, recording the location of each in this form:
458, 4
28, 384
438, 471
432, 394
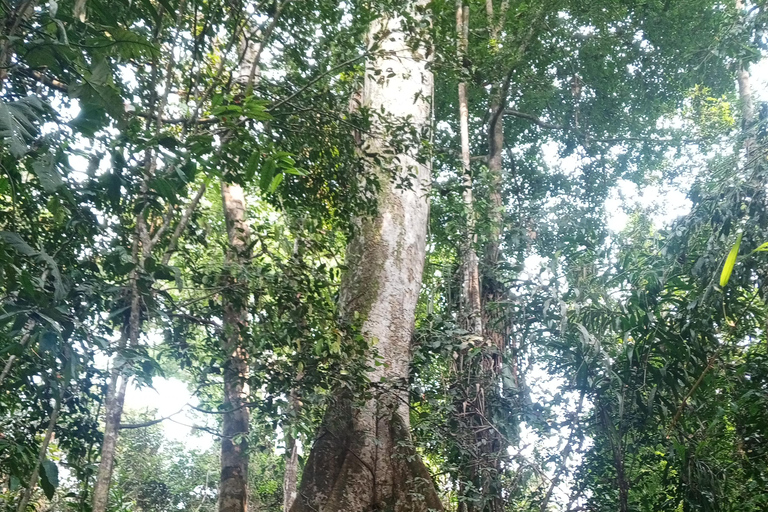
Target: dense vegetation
240, 196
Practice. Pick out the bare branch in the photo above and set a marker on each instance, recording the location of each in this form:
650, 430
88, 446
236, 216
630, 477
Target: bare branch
317, 79
127, 426
182, 225
24, 340
533, 119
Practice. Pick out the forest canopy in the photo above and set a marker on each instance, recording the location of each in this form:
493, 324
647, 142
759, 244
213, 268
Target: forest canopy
377, 255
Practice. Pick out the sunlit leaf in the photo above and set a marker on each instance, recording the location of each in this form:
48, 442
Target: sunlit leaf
730, 261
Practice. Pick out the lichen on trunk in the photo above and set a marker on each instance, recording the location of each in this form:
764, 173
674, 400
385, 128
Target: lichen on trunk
363, 458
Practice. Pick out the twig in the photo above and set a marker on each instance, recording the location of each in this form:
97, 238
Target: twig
315, 80
40, 456
24, 340
710, 365
182, 225
128, 426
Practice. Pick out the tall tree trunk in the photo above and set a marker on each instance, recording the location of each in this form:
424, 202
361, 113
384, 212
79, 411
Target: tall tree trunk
467, 405
291, 474
363, 459
471, 280
115, 399
233, 486
486, 372
745, 98
144, 241
32, 484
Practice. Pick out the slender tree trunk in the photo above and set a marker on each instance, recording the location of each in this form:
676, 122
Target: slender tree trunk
24, 340
471, 281
12, 23
144, 241
485, 374
746, 99
466, 407
32, 484
115, 399
291, 475
233, 486
362, 459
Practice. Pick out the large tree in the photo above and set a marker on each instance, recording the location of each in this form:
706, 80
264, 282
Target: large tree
362, 457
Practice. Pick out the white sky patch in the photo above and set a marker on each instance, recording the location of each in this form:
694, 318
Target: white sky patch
167, 396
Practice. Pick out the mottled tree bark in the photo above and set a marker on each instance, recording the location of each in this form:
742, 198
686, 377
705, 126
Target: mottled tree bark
233, 485
471, 268
465, 369
363, 459
291, 474
115, 399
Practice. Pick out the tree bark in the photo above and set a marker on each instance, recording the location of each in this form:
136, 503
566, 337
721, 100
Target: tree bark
363, 459
32, 484
468, 404
471, 281
746, 100
233, 486
291, 474
24, 340
115, 400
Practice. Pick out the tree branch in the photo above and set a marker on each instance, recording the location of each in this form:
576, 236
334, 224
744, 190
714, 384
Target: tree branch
24, 340
585, 137
182, 225
127, 426
535, 120
317, 79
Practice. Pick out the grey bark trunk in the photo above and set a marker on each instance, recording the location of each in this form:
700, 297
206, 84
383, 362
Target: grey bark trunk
24, 340
115, 400
466, 369
291, 475
233, 485
471, 281
114, 411
746, 99
483, 402
32, 484
363, 458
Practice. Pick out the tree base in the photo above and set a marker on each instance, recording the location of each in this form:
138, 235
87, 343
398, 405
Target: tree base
352, 470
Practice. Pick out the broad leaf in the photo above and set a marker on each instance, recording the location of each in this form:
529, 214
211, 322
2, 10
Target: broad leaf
17, 243
18, 123
49, 478
730, 261
45, 170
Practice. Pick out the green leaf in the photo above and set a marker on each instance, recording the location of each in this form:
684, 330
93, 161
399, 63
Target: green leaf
45, 170
252, 166
762, 248
730, 261
49, 341
267, 174
17, 243
169, 7
129, 45
18, 123
275, 183
97, 92
49, 478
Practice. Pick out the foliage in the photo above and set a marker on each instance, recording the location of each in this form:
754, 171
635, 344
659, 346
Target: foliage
119, 119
